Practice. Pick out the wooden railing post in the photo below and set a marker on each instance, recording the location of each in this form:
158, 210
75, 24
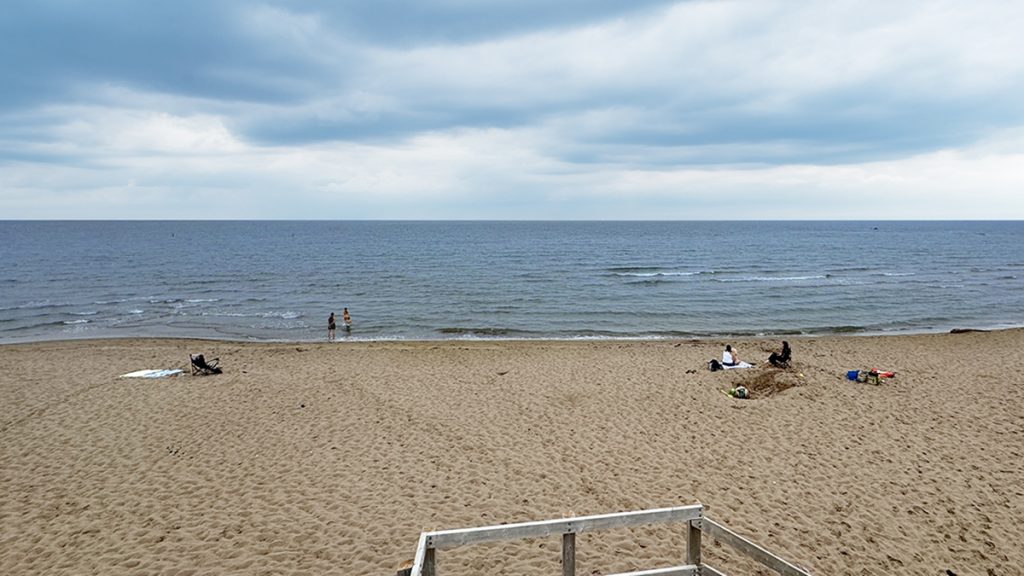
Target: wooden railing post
693, 542
569, 554
429, 567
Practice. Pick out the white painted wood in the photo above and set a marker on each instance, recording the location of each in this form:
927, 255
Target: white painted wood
421, 552
687, 570
706, 570
748, 548
429, 542
451, 538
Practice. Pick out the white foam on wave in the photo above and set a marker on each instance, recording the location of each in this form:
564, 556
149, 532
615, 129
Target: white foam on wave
287, 315
655, 274
33, 305
83, 321
773, 278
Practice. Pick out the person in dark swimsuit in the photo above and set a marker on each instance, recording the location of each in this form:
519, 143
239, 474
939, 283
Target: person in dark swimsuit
331, 326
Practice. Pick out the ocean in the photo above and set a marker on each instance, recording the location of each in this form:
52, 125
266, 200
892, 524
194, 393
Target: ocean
279, 280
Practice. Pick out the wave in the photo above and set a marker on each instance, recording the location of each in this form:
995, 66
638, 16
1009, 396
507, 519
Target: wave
654, 274
202, 281
36, 326
647, 282
199, 300
841, 329
854, 269
459, 330
627, 269
89, 313
506, 333
775, 278
897, 274
287, 315
34, 305
810, 331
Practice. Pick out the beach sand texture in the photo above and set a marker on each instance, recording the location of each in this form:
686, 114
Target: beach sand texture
332, 458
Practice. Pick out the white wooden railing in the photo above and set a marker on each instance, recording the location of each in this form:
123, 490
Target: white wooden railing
424, 563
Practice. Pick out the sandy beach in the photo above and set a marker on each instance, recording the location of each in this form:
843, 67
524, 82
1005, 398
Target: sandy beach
330, 458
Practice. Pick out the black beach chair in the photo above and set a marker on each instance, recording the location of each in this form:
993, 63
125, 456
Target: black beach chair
201, 367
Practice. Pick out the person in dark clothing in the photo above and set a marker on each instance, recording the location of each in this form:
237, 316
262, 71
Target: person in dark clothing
781, 359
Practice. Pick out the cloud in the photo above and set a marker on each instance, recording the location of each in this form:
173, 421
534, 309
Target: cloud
824, 84
498, 174
448, 109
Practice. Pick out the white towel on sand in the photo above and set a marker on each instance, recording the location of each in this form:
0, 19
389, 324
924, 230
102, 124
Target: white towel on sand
151, 373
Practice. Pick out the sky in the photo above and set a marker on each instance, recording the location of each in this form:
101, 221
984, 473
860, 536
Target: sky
511, 109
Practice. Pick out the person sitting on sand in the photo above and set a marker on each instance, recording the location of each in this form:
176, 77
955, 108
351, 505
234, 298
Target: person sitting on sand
781, 360
729, 358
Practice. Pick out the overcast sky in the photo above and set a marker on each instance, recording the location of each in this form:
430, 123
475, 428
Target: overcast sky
511, 109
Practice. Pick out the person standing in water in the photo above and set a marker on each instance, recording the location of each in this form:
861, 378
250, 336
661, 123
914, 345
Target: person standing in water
346, 320
331, 326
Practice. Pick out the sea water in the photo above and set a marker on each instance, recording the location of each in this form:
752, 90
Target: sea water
279, 280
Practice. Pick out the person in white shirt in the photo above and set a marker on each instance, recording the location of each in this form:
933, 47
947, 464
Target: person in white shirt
729, 357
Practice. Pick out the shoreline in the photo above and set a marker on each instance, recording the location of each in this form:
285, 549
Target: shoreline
317, 458
601, 338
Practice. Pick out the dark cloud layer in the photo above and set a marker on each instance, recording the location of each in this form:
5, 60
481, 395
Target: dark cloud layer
207, 49
410, 23
189, 48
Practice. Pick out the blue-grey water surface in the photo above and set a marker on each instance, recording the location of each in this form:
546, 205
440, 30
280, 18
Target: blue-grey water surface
427, 280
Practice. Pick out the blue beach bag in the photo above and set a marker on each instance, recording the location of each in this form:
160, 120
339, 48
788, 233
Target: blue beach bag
852, 375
